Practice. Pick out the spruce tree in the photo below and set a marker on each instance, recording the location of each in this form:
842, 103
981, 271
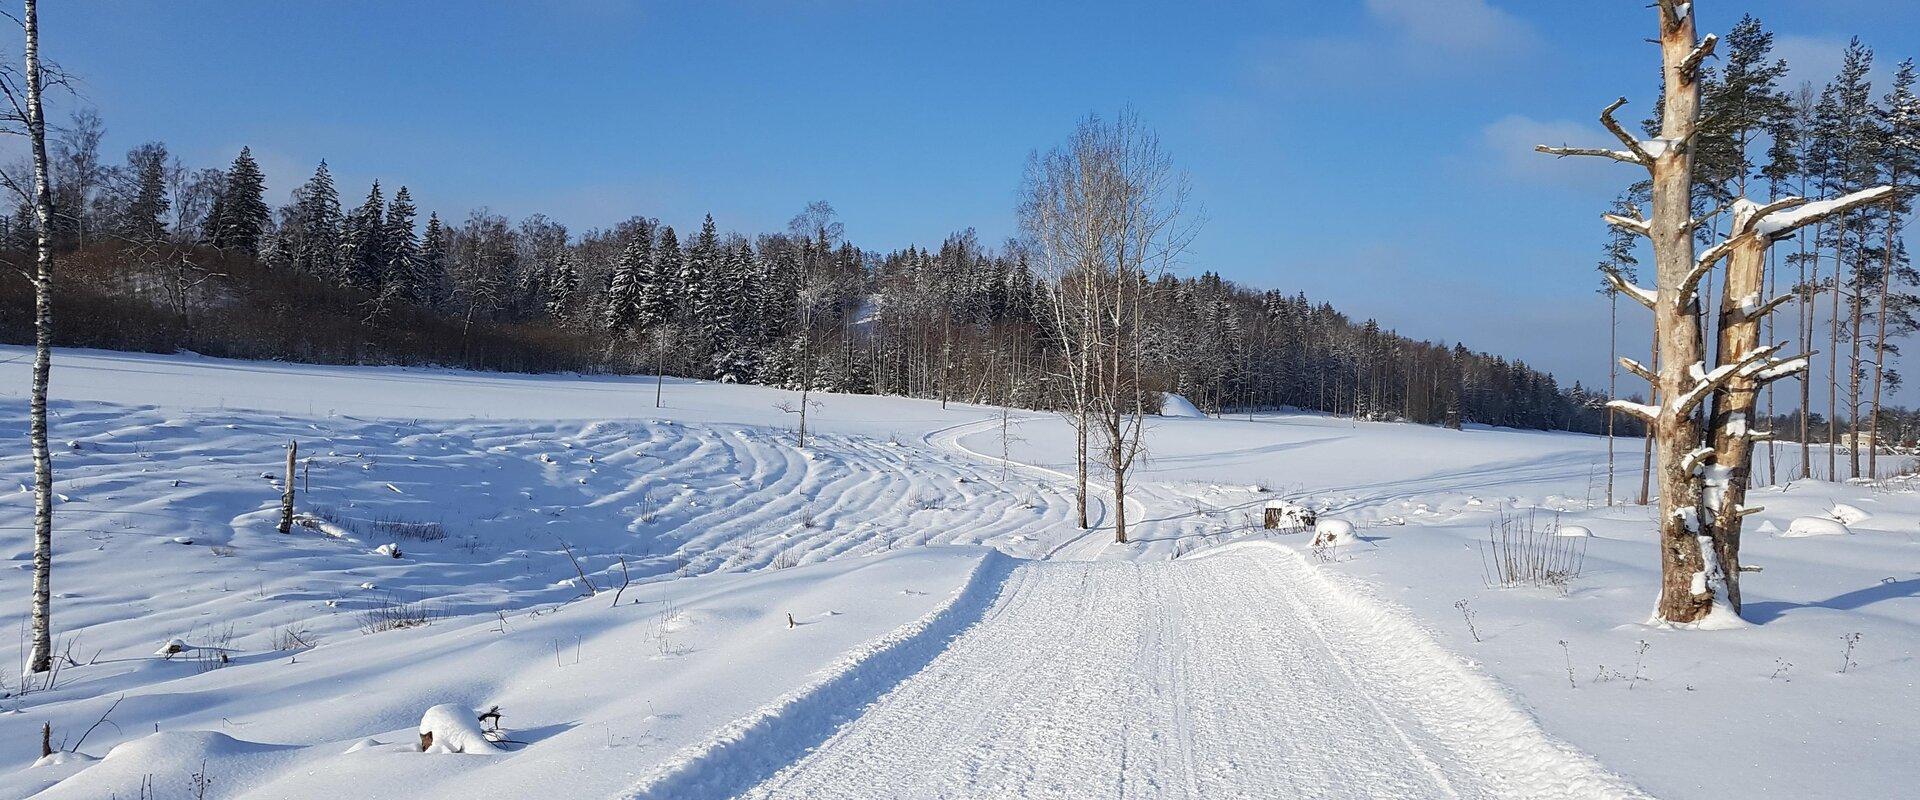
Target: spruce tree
146, 210
402, 248
562, 281
622, 312
317, 208
363, 250
430, 279
239, 217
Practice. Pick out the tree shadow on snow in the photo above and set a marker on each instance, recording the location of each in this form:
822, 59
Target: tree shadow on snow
1767, 611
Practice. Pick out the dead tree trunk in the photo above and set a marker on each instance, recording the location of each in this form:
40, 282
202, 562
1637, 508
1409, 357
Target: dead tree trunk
286, 497
1690, 581
1727, 472
41, 659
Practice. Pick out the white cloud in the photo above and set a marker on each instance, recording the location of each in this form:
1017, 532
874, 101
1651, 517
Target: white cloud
1454, 26
1509, 152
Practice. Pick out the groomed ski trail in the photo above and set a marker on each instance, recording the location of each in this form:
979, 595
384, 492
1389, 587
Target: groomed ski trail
1241, 674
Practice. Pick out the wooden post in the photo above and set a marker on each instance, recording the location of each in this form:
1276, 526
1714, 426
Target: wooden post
286, 498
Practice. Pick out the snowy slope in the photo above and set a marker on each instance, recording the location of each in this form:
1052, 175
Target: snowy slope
725, 527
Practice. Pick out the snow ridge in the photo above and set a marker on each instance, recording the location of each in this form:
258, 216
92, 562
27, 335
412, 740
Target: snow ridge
749, 749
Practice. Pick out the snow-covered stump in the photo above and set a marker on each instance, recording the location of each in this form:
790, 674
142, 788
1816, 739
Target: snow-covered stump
453, 728
1284, 516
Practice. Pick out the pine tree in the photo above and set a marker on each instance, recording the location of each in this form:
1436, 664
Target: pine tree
239, 217
660, 298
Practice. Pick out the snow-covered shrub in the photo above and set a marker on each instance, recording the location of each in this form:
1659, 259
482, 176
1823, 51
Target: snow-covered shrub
391, 613
1849, 515
451, 728
1522, 552
404, 529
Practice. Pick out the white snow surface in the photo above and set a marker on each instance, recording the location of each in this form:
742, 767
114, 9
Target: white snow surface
894, 611
1802, 527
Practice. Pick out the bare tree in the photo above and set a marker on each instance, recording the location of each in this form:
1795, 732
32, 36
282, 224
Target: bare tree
1105, 210
1703, 478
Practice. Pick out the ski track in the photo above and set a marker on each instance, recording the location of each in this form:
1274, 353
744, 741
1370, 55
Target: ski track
1243, 672
1233, 675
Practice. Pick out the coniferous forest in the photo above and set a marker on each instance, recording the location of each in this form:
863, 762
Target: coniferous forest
163, 257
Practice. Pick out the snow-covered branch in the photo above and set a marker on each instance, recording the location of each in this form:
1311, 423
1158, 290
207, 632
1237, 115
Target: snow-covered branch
1777, 226
1705, 383
1640, 154
1639, 369
1621, 156
1691, 65
1775, 369
1629, 224
1694, 459
1642, 410
1750, 309
1645, 297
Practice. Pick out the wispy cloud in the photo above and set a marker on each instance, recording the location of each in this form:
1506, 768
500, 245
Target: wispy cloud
1507, 152
1453, 26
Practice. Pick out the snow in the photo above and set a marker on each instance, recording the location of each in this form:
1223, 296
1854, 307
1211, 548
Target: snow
1851, 515
1573, 531
1802, 527
953, 632
1173, 405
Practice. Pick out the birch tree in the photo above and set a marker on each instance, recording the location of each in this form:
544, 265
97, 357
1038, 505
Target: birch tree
1702, 473
1106, 213
40, 660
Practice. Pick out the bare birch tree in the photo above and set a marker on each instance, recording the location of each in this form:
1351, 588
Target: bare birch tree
1105, 211
1703, 474
34, 116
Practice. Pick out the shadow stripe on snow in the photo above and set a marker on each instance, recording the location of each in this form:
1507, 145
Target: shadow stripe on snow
753, 748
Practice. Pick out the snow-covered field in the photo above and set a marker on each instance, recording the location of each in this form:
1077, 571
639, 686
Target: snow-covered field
894, 611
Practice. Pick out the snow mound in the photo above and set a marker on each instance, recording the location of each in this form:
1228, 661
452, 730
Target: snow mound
1815, 526
1574, 531
1173, 405
451, 728
1851, 515
59, 757
1333, 533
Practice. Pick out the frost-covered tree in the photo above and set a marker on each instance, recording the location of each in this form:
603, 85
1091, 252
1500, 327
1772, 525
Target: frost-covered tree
403, 278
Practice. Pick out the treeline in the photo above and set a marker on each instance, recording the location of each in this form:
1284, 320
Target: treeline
156, 256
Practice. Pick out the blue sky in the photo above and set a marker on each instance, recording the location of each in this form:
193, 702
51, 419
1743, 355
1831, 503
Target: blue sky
1372, 153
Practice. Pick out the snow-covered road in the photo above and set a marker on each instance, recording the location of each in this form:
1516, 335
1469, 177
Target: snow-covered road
1227, 676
